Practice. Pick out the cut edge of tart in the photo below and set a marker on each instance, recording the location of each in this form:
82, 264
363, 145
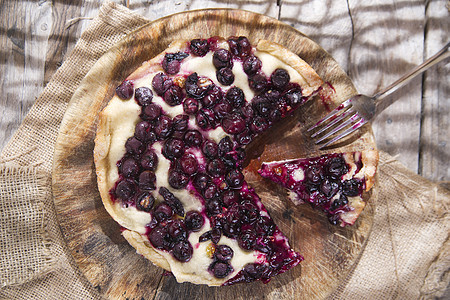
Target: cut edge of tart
144, 166
335, 183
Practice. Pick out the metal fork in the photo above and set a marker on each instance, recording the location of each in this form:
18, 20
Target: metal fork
358, 110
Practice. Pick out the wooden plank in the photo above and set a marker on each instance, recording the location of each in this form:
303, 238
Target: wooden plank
387, 42
326, 22
435, 133
26, 28
161, 8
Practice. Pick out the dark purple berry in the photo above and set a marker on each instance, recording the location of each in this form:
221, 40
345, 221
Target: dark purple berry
235, 179
210, 100
225, 76
255, 270
223, 252
180, 122
147, 180
235, 96
216, 234
149, 160
213, 207
222, 59
202, 120
171, 62
251, 65
190, 106
248, 212
247, 240
258, 125
216, 167
205, 237
314, 173
172, 201
193, 138
336, 167
160, 83
225, 146
265, 226
352, 187
174, 95
163, 127
239, 46
143, 96
210, 149
329, 187
229, 197
188, 164
134, 146
275, 114
173, 148
262, 105
125, 90
280, 78
125, 189
210, 191
192, 87
247, 112
182, 251
158, 237
151, 112
233, 124
258, 82
177, 230
244, 138
145, 201
244, 46
220, 269
294, 97
129, 167
194, 220
142, 131
201, 181
162, 212
221, 110
199, 47
178, 179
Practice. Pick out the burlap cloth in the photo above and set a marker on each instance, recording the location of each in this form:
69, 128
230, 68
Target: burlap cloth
407, 255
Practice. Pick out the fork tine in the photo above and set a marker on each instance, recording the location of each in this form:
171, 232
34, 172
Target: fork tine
338, 109
345, 133
334, 121
341, 126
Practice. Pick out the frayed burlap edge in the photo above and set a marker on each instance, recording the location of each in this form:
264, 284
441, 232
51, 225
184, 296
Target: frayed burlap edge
24, 189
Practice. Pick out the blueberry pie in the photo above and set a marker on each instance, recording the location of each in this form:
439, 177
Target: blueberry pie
334, 183
169, 157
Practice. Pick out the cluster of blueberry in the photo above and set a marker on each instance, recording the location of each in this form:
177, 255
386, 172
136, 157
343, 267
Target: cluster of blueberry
215, 175
321, 183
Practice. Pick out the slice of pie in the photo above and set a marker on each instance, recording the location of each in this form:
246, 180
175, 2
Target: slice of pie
334, 183
169, 151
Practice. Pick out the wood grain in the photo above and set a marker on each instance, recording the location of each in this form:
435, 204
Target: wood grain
94, 239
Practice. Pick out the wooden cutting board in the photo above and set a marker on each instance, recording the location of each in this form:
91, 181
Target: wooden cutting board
93, 237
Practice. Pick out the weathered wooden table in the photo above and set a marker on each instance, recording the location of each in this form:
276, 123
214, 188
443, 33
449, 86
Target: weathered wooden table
374, 43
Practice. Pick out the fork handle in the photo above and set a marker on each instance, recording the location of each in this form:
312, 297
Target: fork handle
441, 55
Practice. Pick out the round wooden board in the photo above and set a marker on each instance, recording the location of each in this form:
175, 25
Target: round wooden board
94, 239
